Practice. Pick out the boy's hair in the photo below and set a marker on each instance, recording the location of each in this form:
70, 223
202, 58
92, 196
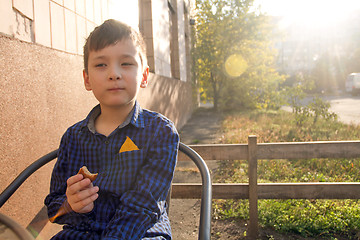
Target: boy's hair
109, 33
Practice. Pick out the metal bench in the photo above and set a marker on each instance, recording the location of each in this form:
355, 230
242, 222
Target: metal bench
23, 234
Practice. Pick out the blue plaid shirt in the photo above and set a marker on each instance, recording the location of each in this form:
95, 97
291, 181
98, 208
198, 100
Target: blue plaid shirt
133, 184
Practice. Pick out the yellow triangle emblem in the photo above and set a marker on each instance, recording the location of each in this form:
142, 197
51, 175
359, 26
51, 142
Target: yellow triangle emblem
128, 145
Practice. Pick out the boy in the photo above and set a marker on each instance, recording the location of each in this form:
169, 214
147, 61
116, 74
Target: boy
133, 150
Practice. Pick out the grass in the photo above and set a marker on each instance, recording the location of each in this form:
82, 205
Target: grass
308, 218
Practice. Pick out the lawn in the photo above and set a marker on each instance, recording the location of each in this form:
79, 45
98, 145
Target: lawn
307, 218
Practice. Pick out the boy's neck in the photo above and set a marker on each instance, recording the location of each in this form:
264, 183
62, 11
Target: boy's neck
111, 117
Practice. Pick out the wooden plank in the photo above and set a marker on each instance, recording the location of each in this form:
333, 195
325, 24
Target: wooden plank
230, 191
309, 191
186, 190
293, 150
220, 191
253, 188
307, 150
218, 152
271, 191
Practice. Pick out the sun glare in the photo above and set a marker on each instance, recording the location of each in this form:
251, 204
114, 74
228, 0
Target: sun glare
125, 11
309, 13
235, 65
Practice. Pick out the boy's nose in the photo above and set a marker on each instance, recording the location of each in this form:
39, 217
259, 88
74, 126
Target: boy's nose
114, 73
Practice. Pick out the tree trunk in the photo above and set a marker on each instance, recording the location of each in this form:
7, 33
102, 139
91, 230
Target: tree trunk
216, 92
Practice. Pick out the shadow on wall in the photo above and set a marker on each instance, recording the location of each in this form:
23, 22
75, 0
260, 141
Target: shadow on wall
171, 97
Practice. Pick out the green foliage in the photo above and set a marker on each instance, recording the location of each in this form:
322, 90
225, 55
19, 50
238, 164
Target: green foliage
320, 108
324, 73
315, 109
296, 93
227, 27
309, 218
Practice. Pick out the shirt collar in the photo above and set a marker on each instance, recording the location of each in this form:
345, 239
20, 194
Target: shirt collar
138, 118
135, 118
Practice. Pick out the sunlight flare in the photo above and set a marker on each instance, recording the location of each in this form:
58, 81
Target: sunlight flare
235, 65
309, 13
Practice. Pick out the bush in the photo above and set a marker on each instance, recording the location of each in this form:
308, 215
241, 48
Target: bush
305, 217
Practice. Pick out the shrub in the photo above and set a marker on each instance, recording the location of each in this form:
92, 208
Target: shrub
309, 218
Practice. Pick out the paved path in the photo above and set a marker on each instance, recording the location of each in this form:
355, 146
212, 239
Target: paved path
346, 107
201, 128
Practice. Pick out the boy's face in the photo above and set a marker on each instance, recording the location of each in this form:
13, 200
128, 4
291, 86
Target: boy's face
115, 74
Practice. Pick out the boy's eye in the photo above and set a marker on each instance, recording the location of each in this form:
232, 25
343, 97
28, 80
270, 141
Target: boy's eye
126, 64
100, 65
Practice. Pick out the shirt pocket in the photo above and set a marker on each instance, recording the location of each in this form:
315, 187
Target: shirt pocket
121, 175
130, 160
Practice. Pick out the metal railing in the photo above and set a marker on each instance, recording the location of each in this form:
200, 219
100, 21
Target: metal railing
253, 191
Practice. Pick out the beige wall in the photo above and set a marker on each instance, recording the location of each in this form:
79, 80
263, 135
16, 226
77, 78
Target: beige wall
41, 95
170, 97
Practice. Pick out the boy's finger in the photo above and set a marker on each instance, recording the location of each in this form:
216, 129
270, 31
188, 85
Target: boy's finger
86, 204
85, 194
83, 203
78, 186
74, 179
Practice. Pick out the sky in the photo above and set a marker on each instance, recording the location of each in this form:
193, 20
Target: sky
309, 12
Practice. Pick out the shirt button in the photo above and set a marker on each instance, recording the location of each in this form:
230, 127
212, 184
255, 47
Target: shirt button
107, 142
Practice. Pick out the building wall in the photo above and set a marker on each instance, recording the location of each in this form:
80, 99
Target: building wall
41, 83
182, 67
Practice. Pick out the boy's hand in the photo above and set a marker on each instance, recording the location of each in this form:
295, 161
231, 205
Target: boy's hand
81, 194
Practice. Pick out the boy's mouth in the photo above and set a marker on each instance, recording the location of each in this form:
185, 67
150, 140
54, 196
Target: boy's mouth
116, 89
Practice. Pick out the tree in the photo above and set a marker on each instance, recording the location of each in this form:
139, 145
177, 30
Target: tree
340, 58
354, 61
226, 28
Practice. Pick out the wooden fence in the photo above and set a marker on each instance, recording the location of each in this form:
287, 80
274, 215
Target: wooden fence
254, 191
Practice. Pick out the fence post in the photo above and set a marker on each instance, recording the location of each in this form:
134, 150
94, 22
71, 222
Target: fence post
253, 194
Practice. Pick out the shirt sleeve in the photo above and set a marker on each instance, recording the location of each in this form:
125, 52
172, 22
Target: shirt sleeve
57, 195
141, 207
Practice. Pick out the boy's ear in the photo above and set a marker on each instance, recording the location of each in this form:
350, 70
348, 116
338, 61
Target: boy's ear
86, 81
145, 77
